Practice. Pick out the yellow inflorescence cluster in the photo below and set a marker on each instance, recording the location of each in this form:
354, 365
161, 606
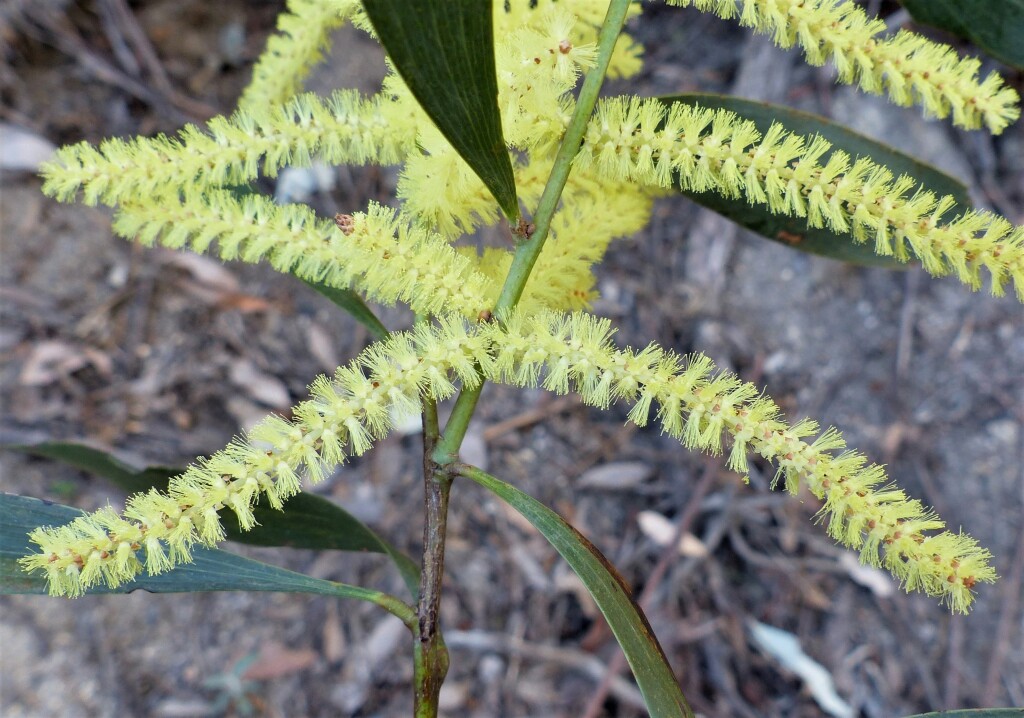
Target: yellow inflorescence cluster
342, 418
177, 192
693, 402
378, 254
345, 129
303, 35
912, 69
701, 149
701, 406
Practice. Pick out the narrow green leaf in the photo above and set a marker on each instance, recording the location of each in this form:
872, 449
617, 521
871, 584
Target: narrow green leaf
650, 666
210, 570
996, 26
444, 50
354, 305
93, 461
307, 521
793, 231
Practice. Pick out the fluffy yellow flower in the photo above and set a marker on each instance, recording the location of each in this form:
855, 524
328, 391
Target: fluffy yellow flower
303, 34
693, 402
374, 252
912, 69
703, 149
234, 150
701, 406
343, 418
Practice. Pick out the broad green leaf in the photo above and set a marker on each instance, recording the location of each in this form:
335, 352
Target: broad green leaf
997, 26
210, 570
444, 50
793, 231
354, 305
974, 713
307, 521
650, 666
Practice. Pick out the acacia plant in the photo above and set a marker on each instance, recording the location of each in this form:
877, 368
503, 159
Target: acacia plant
484, 112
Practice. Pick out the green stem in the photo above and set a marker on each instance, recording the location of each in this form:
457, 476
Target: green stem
527, 252
431, 655
447, 449
389, 603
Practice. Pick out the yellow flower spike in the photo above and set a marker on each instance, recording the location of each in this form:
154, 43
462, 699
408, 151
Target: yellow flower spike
701, 408
594, 214
909, 67
563, 353
344, 129
377, 253
533, 14
549, 49
457, 201
164, 526
303, 34
784, 168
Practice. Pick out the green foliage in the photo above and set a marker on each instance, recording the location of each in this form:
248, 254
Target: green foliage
611, 594
311, 521
352, 303
481, 113
445, 54
997, 26
209, 570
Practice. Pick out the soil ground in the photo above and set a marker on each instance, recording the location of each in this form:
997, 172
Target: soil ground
165, 356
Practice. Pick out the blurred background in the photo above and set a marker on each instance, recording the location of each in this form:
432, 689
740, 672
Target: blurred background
163, 356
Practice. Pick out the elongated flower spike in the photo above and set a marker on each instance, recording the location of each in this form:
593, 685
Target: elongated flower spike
692, 401
374, 252
167, 192
231, 151
703, 149
700, 406
593, 214
303, 34
457, 202
343, 418
910, 68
